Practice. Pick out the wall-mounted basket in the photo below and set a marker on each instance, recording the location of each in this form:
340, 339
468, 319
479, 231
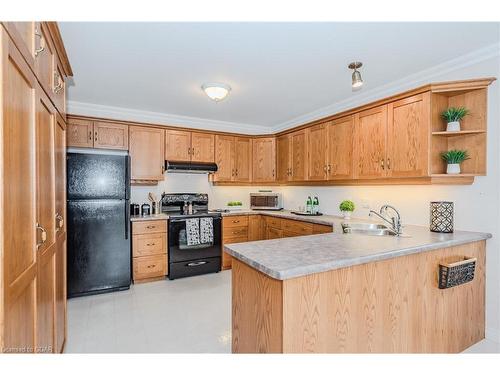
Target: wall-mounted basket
456, 272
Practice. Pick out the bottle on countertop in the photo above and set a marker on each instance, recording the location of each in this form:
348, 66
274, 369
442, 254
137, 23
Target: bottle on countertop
315, 206
190, 208
185, 208
309, 205
145, 209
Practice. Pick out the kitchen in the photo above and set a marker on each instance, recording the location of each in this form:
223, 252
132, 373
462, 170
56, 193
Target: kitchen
141, 214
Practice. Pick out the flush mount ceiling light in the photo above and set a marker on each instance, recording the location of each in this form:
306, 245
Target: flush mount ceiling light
357, 81
216, 91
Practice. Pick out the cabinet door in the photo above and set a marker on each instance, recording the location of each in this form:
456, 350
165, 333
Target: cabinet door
60, 175
408, 129
110, 136
272, 233
316, 139
255, 228
24, 36
224, 158
60, 294
202, 147
283, 158
146, 149
340, 147
178, 145
80, 133
242, 159
298, 142
18, 100
370, 139
45, 58
264, 159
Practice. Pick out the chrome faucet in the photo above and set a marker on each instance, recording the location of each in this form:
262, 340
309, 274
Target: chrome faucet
393, 220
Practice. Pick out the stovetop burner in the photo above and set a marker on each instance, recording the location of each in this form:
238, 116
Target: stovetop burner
173, 204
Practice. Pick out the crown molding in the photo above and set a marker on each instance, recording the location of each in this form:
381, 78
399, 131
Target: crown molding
157, 118
404, 84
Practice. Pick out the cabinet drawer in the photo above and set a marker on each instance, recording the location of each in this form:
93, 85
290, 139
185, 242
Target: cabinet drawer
150, 266
274, 222
235, 232
319, 228
239, 239
235, 221
299, 227
149, 226
273, 233
287, 233
149, 244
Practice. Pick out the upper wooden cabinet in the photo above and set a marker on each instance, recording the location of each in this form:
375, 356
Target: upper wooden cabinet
97, 134
264, 159
317, 152
24, 35
340, 148
110, 136
147, 155
291, 157
177, 145
46, 58
370, 140
202, 147
189, 146
233, 156
408, 134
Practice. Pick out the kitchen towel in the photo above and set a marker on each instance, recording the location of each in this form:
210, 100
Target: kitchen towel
193, 232
206, 230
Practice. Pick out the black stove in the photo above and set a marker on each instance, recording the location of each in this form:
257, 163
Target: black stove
194, 235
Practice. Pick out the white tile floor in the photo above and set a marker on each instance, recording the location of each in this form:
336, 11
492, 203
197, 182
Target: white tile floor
191, 315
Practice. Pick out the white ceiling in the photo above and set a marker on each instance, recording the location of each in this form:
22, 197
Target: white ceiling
277, 71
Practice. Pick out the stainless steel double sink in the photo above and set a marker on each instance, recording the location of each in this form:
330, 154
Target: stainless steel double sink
370, 229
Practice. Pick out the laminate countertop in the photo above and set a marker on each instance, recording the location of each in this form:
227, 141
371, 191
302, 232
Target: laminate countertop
286, 214
286, 258
149, 217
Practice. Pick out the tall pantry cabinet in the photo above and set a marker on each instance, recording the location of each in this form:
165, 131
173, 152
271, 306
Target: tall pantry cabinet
33, 65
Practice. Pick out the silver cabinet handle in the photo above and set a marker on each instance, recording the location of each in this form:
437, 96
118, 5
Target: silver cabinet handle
44, 234
382, 163
60, 221
40, 49
388, 163
95, 136
57, 78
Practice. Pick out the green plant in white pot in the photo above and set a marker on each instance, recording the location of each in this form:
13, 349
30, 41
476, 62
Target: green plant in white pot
347, 207
452, 116
453, 159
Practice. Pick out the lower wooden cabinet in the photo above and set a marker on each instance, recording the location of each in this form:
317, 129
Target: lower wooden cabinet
234, 230
149, 250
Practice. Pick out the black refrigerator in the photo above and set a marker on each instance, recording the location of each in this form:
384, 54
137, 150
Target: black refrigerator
99, 258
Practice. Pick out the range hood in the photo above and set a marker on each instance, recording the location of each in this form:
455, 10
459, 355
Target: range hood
189, 167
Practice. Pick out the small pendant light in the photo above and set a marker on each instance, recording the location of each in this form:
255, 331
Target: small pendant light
357, 81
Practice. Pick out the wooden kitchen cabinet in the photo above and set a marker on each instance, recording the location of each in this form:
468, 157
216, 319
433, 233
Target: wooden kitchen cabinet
97, 134
18, 169
46, 58
233, 156
24, 36
317, 152
264, 159
340, 148
255, 228
189, 146
80, 133
147, 156
242, 159
234, 230
408, 134
110, 136
202, 147
291, 156
370, 140
177, 145
149, 250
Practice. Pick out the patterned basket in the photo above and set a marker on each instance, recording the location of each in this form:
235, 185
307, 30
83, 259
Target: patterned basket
456, 273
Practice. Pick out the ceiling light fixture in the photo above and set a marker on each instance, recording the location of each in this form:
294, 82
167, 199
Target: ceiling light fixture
216, 91
357, 81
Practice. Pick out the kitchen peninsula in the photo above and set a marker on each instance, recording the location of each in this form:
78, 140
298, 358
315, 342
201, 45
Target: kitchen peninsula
353, 293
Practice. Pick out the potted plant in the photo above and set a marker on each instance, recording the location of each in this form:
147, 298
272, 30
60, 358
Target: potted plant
347, 207
235, 205
453, 158
453, 115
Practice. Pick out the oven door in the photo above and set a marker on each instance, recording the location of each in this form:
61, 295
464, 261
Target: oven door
180, 251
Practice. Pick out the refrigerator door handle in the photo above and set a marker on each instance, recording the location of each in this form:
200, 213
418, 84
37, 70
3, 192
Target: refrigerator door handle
127, 219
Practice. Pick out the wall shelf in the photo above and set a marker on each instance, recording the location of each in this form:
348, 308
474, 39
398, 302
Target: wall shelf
457, 133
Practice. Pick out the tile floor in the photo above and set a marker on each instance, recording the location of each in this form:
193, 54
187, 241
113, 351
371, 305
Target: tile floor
191, 315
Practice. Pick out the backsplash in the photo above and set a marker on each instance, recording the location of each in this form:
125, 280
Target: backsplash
218, 196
